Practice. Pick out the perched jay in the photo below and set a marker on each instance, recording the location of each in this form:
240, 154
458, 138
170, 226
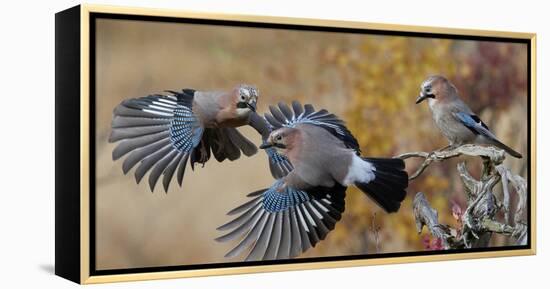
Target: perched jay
320, 158
454, 118
163, 132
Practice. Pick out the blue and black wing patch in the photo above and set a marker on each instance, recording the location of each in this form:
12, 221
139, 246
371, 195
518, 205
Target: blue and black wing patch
160, 132
282, 225
474, 124
279, 165
477, 127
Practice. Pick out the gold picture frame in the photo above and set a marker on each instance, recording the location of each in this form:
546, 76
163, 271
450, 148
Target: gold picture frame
73, 132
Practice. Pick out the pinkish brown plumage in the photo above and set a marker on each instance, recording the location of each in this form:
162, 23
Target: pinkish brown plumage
318, 158
456, 121
163, 132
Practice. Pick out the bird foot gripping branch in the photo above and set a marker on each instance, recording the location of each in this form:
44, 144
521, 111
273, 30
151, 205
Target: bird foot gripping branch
479, 220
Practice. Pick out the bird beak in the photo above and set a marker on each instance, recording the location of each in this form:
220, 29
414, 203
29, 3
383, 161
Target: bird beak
421, 97
266, 145
251, 106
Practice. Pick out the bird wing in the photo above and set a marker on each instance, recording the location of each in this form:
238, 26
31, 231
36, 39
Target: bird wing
474, 124
282, 225
287, 219
282, 115
158, 131
279, 165
224, 143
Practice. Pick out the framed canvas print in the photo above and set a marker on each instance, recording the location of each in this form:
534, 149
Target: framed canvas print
193, 144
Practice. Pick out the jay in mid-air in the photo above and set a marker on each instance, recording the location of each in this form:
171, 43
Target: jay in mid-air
314, 158
162, 132
454, 118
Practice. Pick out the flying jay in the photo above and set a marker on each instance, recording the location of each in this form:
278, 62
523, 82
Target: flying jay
454, 118
162, 132
317, 159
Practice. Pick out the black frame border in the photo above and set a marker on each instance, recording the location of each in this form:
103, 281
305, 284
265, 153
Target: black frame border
67, 144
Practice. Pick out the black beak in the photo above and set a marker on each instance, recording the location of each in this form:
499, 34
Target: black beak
266, 145
252, 107
421, 97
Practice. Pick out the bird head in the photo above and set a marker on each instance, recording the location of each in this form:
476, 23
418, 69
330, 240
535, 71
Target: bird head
436, 88
282, 139
246, 98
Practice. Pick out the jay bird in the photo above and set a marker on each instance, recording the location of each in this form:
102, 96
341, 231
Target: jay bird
454, 118
163, 132
315, 158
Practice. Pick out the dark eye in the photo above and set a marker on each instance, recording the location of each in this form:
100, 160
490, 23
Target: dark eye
278, 138
242, 97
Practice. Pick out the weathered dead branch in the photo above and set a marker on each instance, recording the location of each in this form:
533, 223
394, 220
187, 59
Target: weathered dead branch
479, 218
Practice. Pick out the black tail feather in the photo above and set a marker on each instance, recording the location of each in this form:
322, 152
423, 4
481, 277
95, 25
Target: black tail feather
508, 149
389, 185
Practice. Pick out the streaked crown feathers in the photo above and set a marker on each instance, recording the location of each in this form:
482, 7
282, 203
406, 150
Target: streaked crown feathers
248, 92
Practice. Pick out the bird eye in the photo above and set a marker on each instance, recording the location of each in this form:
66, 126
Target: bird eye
278, 138
242, 97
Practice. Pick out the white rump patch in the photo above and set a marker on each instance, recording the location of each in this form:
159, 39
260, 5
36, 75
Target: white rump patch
359, 171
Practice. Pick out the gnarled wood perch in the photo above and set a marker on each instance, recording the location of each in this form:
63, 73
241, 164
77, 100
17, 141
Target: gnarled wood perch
479, 219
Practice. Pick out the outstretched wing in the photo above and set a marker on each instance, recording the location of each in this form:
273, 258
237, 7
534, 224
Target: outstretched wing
282, 115
160, 132
282, 225
279, 165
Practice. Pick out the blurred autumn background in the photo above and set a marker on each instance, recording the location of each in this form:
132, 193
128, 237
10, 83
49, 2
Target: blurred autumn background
369, 81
